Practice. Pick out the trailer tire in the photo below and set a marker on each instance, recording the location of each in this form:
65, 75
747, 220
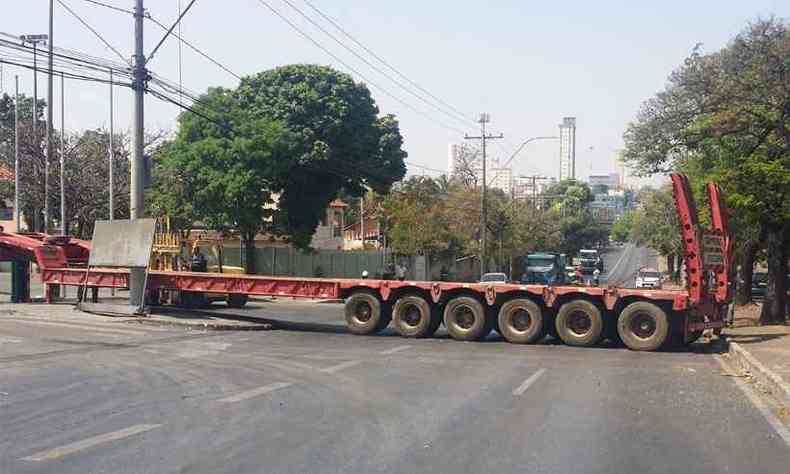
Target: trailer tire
413, 317
643, 326
465, 319
579, 323
520, 321
364, 313
236, 300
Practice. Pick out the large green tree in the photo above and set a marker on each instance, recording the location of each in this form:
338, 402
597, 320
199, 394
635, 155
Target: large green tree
273, 153
730, 112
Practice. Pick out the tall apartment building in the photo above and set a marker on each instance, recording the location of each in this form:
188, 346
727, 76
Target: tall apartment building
568, 148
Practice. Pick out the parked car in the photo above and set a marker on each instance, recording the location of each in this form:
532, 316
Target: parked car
648, 278
493, 278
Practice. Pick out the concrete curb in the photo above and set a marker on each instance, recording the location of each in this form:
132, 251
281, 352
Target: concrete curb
207, 326
765, 376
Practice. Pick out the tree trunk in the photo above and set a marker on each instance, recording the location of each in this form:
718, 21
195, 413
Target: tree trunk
774, 305
744, 292
671, 266
249, 253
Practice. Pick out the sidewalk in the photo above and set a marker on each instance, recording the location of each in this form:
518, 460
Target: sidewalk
762, 351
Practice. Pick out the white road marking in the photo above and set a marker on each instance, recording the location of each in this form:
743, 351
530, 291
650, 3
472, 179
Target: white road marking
394, 350
9, 340
524, 386
626, 250
87, 328
72, 448
339, 367
255, 392
772, 420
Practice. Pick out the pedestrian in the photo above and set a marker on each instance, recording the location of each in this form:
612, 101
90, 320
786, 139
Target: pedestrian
365, 274
596, 277
400, 272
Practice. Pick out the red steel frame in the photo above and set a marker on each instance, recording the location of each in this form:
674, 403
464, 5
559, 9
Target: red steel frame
705, 307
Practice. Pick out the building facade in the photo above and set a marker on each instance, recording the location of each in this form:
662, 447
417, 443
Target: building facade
568, 148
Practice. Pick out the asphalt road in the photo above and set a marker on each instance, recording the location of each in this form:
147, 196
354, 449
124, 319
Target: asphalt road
79, 394
621, 264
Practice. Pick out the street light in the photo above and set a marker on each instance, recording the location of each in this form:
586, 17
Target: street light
35, 40
527, 141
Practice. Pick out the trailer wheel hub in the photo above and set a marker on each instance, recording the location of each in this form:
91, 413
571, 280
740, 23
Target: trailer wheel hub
363, 312
643, 325
464, 317
521, 320
579, 323
412, 315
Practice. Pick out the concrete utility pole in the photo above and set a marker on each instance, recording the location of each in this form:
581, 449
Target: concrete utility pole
484, 119
17, 206
139, 78
49, 120
63, 227
111, 156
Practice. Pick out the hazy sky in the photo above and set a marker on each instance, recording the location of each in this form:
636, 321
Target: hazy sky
526, 63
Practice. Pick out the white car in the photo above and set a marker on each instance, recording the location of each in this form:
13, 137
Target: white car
648, 278
493, 278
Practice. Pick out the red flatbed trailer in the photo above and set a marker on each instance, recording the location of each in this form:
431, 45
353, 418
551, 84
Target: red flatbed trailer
579, 315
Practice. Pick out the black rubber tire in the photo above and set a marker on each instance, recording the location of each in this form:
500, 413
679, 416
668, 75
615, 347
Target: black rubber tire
475, 326
363, 313
643, 326
579, 323
521, 321
236, 300
412, 316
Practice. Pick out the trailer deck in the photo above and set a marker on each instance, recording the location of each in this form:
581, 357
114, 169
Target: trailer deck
523, 313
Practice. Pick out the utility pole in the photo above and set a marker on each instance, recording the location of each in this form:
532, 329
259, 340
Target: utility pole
48, 157
534, 178
111, 156
362, 220
63, 227
17, 206
484, 119
139, 79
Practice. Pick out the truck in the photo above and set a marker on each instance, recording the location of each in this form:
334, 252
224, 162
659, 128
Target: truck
544, 268
643, 319
589, 261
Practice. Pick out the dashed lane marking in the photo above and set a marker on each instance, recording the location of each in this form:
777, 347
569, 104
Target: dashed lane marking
394, 350
527, 383
339, 367
78, 446
772, 420
255, 392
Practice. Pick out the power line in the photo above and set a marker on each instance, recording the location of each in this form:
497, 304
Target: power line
68, 75
347, 66
195, 49
382, 61
170, 30
111, 7
92, 30
371, 65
